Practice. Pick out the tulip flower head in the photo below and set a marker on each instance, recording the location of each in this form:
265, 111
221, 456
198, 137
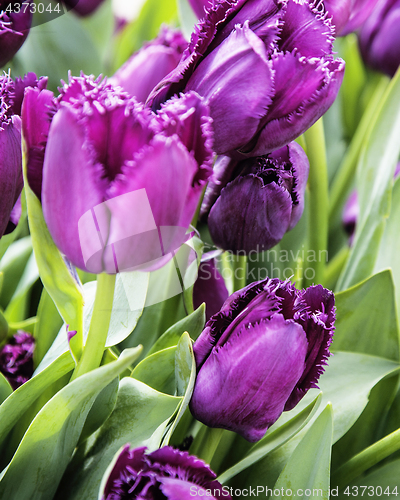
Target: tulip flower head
379, 37
260, 354
348, 15
146, 68
286, 47
15, 23
263, 199
16, 359
164, 474
120, 183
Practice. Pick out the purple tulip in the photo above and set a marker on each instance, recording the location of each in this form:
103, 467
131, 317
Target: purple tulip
145, 69
120, 183
260, 354
252, 203
15, 23
265, 68
200, 6
16, 359
380, 37
11, 183
83, 7
348, 15
209, 288
166, 473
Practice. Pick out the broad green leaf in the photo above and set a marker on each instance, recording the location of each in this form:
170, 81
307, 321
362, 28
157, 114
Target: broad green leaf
139, 418
35, 471
309, 466
54, 273
382, 482
5, 388
187, 18
193, 324
272, 440
364, 310
12, 267
144, 28
47, 327
20, 400
18, 306
158, 371
374, 185
388, 250
185, 376
7, 239
346, 384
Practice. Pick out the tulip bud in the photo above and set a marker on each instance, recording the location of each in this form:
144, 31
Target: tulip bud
135, 177
15, 23
348, 15
209, 288
166, 473
16, 359
379, 37
286, 46
146, 68
262, 201
260, 354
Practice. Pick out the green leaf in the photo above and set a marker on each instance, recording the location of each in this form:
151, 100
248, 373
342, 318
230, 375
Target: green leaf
193, 324
7, 239
3, 327
47, 327
364, 310
20, 400
309, 466
272, 440
139, 418
12, 267
35, 471
374, 184
388, 250
54, 273
346, 384
158, 371
187, 18
144, 28
5, 388
18, 306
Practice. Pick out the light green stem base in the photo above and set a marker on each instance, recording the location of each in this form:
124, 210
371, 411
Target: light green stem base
206, 443
318, 203
239, 267
99, 325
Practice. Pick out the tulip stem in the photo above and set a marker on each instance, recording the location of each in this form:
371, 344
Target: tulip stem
239, 267
318, 204
99, 325
206, 443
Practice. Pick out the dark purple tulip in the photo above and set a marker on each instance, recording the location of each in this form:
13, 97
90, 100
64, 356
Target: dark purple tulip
120, 183
209, 288
200, 6
260, 354
14, 28
83, 7
164, 474
380, 37
16, 359
145, 69
263, 199
266, 69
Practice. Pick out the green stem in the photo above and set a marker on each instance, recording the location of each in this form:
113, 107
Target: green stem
99, 324
335, 266
318, 203
366, 459
206, 443
239, 265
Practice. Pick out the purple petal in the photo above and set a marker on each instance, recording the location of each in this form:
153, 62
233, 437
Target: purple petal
209, 288
222, 78
229, 395
14, 28
361, 10
69, 192
29, 80
301, 168
83, 7
199, 6
250, 216
340, 11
